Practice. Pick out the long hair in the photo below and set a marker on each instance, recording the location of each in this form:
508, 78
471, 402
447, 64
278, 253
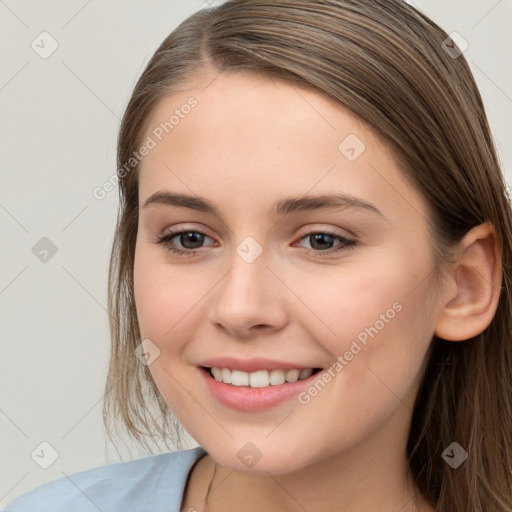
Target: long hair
396, 70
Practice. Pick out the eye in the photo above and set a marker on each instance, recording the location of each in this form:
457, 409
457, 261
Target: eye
192, 240
321, 242
186, 237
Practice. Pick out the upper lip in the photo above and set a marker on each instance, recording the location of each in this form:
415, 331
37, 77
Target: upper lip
252, 365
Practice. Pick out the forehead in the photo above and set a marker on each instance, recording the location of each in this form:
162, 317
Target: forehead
257, 139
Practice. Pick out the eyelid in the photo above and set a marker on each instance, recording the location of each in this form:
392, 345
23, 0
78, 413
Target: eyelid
180, 228
313, 228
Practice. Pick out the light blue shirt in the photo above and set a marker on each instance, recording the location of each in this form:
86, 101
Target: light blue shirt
154, 484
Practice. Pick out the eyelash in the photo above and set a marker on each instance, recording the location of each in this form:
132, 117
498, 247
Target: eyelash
346, 243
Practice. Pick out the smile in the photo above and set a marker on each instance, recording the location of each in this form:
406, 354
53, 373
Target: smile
254, 391
260, 378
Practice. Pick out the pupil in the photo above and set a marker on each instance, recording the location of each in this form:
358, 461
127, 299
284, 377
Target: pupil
191, 236
318, 237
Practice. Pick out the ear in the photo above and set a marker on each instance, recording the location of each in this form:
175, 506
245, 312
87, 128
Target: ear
472, 300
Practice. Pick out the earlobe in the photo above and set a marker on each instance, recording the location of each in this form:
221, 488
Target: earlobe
477, 276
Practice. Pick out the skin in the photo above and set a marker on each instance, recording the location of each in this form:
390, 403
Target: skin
250, 142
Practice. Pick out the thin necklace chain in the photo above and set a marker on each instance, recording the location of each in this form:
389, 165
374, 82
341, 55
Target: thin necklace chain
209, 487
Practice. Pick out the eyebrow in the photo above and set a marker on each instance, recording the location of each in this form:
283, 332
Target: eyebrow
281, 207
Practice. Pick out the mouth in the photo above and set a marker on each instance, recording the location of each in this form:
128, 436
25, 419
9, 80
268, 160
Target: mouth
258, 391
260, 378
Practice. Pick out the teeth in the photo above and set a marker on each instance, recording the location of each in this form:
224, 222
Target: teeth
238, 378
304, 374
217, 374
225, 374
260, 378
277, 377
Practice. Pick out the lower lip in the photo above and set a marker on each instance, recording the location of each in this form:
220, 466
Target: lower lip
245, 398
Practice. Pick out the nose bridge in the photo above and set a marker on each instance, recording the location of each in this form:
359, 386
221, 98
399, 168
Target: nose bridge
246, 284
247, 295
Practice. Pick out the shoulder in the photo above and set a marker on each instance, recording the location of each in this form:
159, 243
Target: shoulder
139, 484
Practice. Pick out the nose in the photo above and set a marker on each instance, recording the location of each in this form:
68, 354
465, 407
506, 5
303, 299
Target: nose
249, 299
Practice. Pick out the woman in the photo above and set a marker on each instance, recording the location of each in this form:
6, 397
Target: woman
371, 373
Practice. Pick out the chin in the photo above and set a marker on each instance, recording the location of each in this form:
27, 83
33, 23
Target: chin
252, 461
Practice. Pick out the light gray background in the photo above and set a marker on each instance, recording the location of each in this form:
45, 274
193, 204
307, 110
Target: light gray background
60, 120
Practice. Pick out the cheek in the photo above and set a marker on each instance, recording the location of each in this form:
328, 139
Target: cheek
374, 321
164, 295
165, 299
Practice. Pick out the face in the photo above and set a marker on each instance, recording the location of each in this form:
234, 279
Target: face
340, 286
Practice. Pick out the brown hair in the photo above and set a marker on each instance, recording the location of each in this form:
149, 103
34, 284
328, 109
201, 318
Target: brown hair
386, 62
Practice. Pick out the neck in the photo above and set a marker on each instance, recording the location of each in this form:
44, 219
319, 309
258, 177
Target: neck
371, 475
